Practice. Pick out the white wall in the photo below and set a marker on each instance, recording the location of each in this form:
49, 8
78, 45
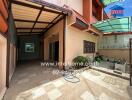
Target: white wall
55, 30
75, 4
74, 43
12, 61
112, 41
3, 55
115, 46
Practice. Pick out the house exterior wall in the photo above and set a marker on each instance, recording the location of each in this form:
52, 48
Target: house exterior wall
83, 7
47, 41
75, 4
74, 43
3, 24
73, 37
3, 46
3, 17
50, 36
3, 8
3, 55
88, 9
12, 45
12, 62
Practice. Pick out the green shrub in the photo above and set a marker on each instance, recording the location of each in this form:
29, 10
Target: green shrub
80, 61
98, 59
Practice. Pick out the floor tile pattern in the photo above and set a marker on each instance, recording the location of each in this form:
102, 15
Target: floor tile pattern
35, 83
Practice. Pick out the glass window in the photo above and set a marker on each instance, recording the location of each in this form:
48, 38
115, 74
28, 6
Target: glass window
29, 47
89, 47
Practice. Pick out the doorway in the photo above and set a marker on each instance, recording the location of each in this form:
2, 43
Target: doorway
54, 51
29, 48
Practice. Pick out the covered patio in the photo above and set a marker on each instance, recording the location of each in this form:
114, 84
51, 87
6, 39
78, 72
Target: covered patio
34, 18
35, 24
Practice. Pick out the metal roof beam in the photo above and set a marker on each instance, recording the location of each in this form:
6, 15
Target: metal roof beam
35, 7
50, 5
31, 21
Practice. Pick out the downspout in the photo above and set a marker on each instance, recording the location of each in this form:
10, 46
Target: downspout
8, 49
64, 40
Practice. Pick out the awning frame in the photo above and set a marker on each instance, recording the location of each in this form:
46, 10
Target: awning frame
111, 2
61, 12
109, 27
53, 6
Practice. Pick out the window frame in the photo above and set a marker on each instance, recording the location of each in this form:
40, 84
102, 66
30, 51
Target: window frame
88, 47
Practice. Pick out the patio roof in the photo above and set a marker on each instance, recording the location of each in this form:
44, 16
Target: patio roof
114, 25
107, 2
36, 16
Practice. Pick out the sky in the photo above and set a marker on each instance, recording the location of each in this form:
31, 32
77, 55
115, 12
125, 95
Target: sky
126, 4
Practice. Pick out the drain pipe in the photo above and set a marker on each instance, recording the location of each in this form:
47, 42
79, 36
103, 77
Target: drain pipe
64, 39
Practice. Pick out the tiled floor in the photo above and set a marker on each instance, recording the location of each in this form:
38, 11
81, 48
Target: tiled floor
27, 76
44, 85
